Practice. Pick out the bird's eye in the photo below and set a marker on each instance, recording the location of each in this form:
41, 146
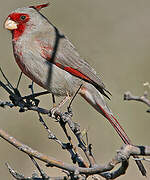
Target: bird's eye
23, 17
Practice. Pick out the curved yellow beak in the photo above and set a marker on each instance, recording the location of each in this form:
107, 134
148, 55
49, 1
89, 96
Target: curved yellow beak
9, 24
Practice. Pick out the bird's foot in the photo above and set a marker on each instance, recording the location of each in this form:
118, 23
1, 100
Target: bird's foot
52, 112
57, 107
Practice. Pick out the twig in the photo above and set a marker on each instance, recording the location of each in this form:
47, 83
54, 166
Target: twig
50, 133
19, 80
15, 174
128, 96
74, 97
19, 176
3, 104
35, 95
67, 118
43, 175
9, 84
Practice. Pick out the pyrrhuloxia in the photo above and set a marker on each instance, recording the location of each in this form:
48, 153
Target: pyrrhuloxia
48, 58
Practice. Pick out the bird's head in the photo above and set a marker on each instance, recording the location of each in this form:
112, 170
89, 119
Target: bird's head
22, 18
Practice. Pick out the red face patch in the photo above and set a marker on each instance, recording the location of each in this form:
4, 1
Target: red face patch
21, 19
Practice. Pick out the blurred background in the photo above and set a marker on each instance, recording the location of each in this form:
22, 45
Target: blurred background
114, 37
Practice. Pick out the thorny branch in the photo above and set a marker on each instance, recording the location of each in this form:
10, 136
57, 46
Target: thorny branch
84, 169
122, 157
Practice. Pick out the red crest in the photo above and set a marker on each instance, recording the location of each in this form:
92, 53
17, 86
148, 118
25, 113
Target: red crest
39, 7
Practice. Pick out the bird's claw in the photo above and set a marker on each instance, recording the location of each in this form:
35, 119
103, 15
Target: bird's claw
52, 112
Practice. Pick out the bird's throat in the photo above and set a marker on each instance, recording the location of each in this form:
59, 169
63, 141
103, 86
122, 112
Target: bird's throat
17, 33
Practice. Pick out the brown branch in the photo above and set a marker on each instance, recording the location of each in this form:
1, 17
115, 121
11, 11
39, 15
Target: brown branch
29, 103
120, 171
35, 176
75, 128
68, 146
128, 96
122, 155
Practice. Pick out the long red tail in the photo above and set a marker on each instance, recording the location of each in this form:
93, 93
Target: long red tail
113, 121
95, 98
124, 137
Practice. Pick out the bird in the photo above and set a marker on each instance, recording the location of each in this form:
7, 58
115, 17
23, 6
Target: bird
48, 58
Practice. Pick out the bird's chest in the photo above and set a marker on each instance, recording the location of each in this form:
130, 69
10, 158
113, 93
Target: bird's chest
44, 73
23, 62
